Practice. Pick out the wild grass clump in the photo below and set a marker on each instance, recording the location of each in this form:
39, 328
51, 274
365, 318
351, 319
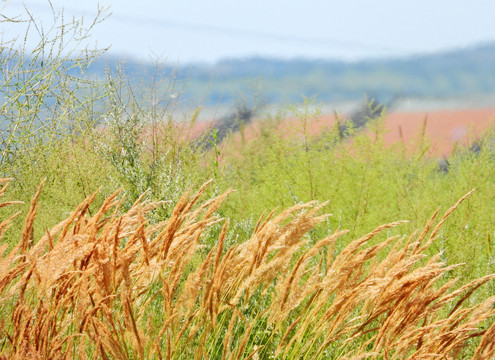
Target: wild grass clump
114, 285
79, 132
367, 182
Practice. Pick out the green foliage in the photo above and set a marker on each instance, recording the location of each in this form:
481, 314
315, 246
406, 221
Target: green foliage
48, 106
44, 92
367, 183
128, 137
147, 150
81, 135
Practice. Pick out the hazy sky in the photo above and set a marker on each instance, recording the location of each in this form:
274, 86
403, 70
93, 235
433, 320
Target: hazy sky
201, 30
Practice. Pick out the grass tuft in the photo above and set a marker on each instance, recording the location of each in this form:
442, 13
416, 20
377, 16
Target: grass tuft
115, 285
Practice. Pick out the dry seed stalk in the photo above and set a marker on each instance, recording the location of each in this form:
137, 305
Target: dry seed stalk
119, 287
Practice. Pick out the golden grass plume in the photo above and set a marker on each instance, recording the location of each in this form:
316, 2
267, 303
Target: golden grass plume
116, 286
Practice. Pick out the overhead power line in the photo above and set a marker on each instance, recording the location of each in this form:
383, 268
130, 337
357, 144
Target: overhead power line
231, 32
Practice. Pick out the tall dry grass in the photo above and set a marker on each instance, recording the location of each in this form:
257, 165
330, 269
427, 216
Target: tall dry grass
114, 286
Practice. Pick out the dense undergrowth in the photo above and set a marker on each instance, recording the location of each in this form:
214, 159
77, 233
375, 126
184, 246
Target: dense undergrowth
252, 288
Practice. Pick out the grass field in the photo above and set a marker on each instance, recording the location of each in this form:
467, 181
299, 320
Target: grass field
116, 285
142, 243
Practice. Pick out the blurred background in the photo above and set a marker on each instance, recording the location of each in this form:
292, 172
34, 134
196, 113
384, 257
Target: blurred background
419, 56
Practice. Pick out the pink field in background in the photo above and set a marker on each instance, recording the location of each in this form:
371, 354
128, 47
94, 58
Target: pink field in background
444, 129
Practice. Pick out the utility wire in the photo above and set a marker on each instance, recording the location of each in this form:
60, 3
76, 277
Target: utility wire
231, 32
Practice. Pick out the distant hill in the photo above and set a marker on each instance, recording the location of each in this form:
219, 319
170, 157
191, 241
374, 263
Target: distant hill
464, 72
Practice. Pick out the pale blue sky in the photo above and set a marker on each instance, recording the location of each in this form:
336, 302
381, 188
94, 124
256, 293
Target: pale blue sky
200, 30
